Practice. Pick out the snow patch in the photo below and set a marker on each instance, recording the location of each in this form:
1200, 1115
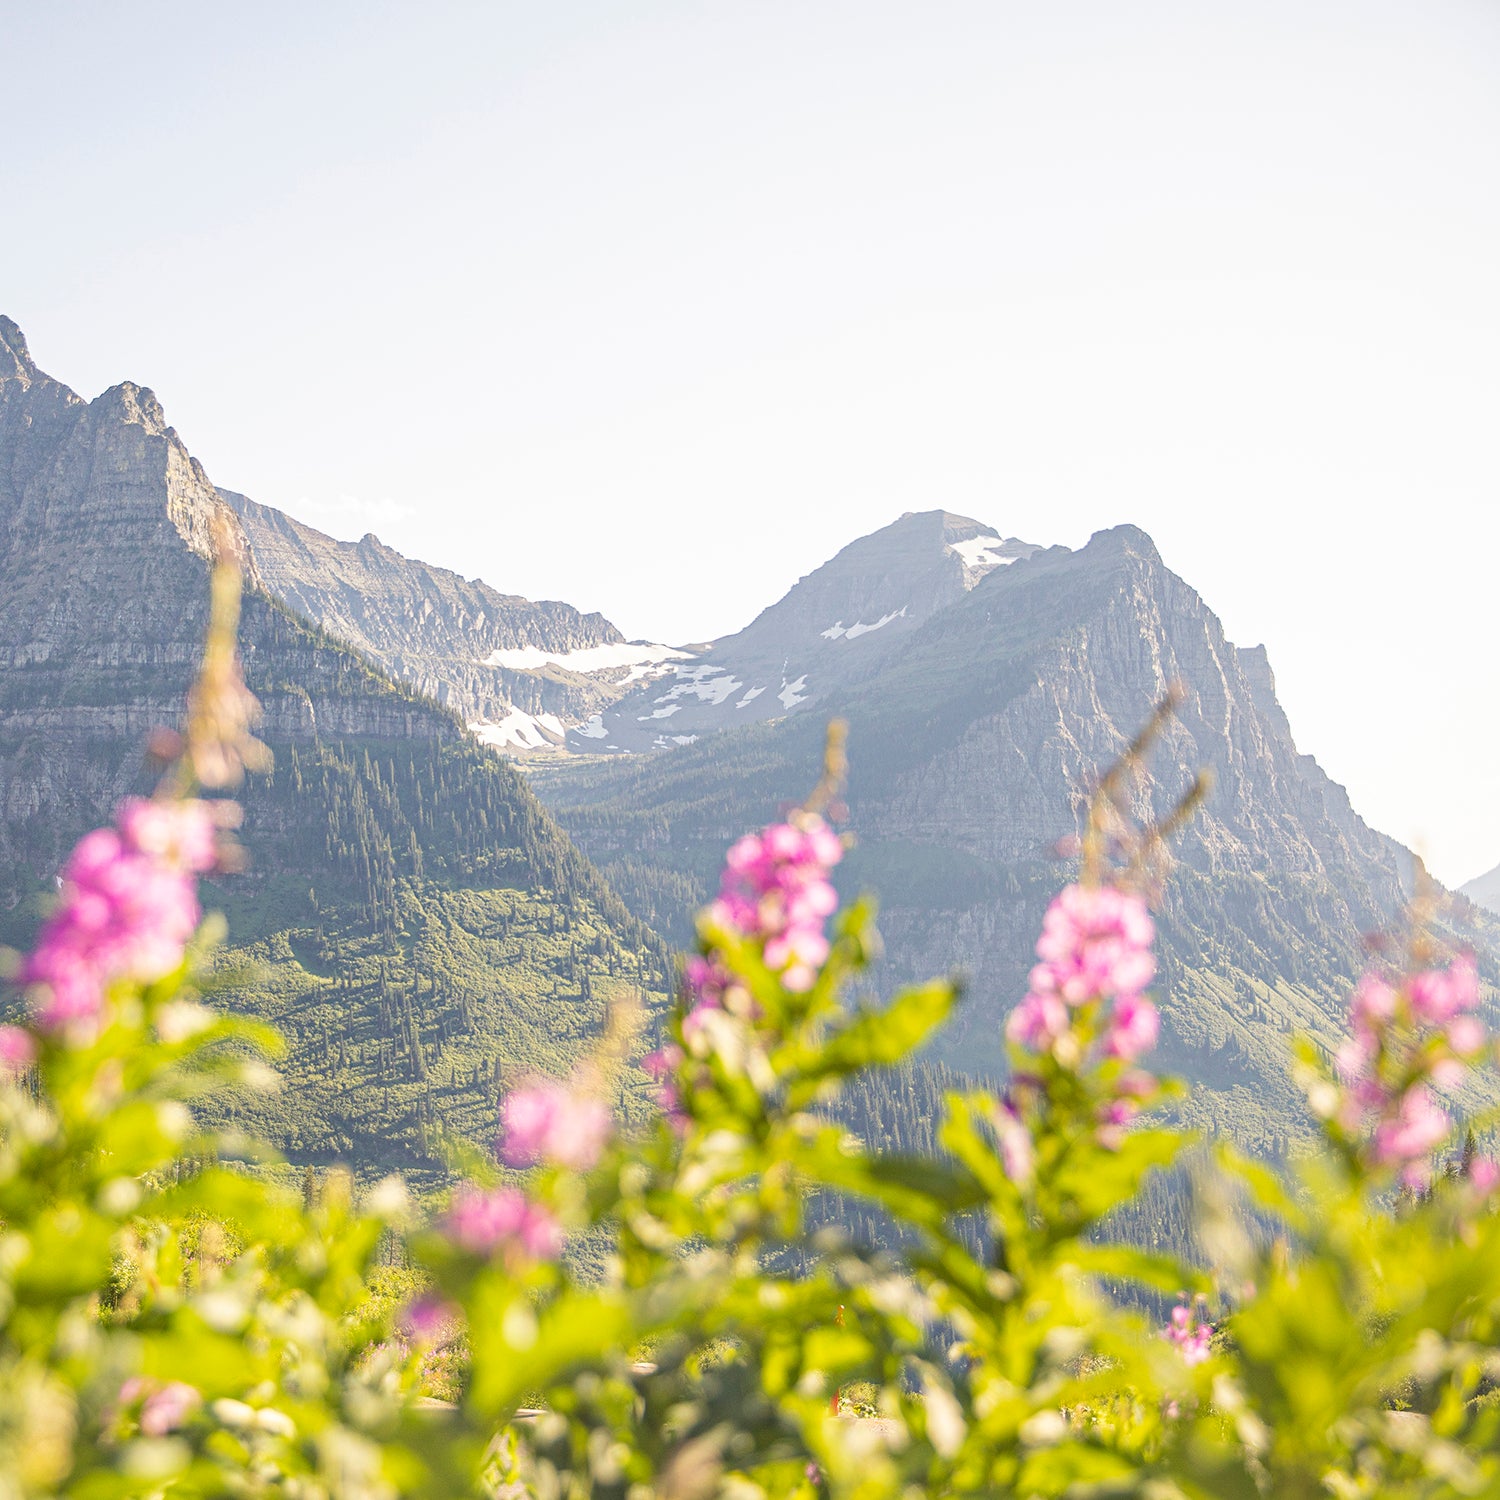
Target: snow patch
750, 697
520, 730
976, 552
709, 685
640, 656
661, 713
791, 693
838, 631
663, 740
594, 729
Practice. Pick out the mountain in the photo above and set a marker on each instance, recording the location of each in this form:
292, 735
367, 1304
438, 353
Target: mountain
833, 627
974, 740
1484, 890
413, 919
515, 670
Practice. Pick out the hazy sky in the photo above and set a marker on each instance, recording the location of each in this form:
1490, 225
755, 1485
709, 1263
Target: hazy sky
652, 307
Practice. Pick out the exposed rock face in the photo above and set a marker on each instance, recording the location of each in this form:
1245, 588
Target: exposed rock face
833, 628
426, 626
975, 740
106, 527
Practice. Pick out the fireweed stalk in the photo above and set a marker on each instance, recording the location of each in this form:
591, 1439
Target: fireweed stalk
1410, 1034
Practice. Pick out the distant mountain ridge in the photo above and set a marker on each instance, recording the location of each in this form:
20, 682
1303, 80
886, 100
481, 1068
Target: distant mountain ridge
832, 627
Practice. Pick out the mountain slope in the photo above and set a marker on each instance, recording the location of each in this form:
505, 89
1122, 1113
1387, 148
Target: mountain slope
499, 661
834, 627
973, 748
1484, 890
413, 917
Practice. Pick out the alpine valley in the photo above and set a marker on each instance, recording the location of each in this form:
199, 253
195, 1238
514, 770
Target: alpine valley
490, 818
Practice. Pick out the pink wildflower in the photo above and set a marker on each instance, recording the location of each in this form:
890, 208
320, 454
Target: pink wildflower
182, 835
1404, 1037
17, 1049
165, 1407
1037, 1022
549, 1122
775, 890
1484, 1174
1438, 995
1417, 1126
503, 1218
428, 1317
1095, 943
1192, 1334
1017, 1152
1134, 1027
129, 904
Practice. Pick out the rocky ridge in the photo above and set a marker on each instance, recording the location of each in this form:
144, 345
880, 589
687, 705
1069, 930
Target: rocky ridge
501, 662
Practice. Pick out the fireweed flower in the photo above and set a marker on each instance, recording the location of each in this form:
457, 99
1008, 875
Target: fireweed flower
128, 906
165, 1407
1085, 1004
775, 890
1095, 946
1192, 1333
1405, 1036
427, 1318
502, 1219
17, 1049
550, 1122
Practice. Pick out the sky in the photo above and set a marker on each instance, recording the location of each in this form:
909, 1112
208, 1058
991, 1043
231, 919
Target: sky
653, 307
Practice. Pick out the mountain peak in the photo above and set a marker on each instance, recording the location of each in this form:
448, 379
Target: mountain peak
832, 626
16, 362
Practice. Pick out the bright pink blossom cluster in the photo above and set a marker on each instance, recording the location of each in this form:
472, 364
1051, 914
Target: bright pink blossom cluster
503, 1220
129, 904
775, 889
1095, 946
1404, 1038
550, 1122
1191, 1332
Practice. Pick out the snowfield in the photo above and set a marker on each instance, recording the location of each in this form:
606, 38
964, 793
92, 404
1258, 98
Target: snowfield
976, 552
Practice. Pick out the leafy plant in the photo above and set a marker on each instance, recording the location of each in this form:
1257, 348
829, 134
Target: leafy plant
677, 1307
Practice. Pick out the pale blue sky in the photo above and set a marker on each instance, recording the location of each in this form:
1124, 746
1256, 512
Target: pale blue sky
652, 307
